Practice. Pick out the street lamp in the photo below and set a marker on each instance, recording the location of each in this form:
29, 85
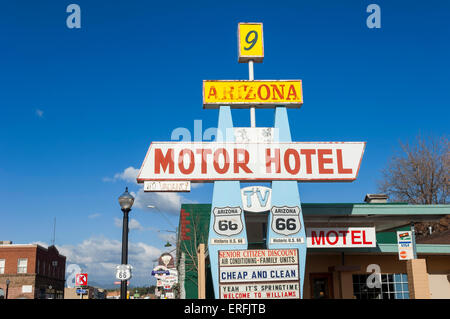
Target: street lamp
126, 201
7, 287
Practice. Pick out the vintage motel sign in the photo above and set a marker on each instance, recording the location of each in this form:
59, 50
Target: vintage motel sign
213, 161
259, 274
262, 155
341, 237
250, 42
167, 186
260, 93
256, 199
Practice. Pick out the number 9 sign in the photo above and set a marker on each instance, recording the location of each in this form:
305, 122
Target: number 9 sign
250, 42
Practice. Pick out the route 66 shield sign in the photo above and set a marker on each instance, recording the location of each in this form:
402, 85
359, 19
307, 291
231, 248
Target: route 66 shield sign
228, 220
123, 272
286, 220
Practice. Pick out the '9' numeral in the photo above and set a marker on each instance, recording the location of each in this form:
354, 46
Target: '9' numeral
251, 42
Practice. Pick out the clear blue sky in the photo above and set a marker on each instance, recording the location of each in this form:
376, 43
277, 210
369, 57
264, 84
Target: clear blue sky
79, 106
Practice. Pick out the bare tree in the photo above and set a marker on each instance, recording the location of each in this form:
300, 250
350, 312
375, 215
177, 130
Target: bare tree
198, 233
420, 173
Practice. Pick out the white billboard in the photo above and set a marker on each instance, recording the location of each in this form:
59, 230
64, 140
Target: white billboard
211, 161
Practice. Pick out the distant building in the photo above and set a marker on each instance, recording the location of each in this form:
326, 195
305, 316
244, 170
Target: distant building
34, 272
91, 293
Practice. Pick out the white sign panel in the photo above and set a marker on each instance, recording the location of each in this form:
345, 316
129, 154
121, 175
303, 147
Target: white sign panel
167, 186
160, 272
405, 245
260, 291
228, 220
286, 220
256, 199
123, 272
255, 134
259, 274
211, 161
341, 237
27, 289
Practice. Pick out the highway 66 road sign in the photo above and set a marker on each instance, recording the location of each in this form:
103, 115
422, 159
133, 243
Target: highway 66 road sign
228, 220
286, 220
123, 272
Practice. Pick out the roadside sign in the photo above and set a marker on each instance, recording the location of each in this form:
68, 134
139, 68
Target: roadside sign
119, 282
259, 274
160, 272
81, 291
256, 199
81, 280
170, 295
250, 42
245, 94
405, 245
341, 237
214, 161
123, 272
167, 186
166, 260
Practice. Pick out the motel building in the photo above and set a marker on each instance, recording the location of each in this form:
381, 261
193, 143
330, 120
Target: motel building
348, 245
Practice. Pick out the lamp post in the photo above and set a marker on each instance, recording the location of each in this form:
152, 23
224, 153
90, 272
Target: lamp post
126, 201
7, 287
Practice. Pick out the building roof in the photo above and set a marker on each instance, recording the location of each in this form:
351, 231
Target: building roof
385, 217
439, 238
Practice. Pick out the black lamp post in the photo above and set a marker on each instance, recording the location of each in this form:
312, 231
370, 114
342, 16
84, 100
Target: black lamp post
7, 287
126, 200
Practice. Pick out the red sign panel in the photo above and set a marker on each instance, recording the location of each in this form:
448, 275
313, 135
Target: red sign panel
81, 280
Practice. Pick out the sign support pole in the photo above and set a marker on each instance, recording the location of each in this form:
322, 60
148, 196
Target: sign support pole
413, 238
201, 271
251, 77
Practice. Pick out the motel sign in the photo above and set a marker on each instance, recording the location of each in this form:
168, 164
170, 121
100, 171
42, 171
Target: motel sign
255, 154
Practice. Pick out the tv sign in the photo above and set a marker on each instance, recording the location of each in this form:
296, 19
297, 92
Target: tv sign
256, 199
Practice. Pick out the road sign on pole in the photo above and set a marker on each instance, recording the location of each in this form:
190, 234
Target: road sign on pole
81, 280
123, 272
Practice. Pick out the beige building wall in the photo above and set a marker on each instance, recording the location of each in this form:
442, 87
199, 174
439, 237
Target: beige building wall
439, 286
437, 267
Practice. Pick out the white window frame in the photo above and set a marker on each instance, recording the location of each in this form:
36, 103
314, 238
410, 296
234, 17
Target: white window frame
2, 266
22, 269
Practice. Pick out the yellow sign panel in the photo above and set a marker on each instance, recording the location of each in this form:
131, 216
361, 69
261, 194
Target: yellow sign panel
243, 94
250, 42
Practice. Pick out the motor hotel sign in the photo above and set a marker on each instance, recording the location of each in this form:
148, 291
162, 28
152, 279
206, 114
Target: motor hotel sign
242, 94
259, 274
212, 161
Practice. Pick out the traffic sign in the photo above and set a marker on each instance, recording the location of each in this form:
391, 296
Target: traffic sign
81, 280
123, 272
81, 291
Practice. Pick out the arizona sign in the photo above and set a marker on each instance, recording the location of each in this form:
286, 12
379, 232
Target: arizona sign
243, 94
211, 161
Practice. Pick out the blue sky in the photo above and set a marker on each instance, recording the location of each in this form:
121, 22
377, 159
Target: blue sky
80, 106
